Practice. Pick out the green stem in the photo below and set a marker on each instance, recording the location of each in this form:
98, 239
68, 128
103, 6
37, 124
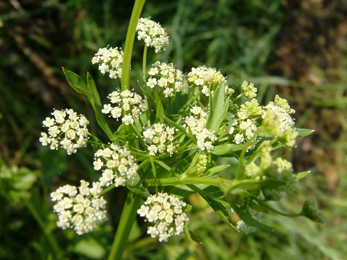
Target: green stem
144, 64
185, 181
127, 219
109, 188
180, 128
129, 43
249, 143
154, 174
279, 212
51, 240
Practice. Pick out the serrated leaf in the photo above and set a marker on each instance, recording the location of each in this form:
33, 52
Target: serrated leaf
304, 132
218, 109
301, 175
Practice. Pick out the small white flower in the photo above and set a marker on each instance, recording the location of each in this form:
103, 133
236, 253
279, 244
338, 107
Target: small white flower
239, 138
127, 119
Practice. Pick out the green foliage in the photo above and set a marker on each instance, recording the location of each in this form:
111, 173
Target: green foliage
249, 25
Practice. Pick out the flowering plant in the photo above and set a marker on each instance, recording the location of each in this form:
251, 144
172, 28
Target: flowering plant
177, 130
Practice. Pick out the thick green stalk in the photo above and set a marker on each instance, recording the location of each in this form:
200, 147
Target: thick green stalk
129, 43
127, 219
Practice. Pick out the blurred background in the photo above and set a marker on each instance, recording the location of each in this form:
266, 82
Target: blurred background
293, 48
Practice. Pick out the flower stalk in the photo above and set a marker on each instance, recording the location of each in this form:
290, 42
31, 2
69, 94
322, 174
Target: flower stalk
129, 43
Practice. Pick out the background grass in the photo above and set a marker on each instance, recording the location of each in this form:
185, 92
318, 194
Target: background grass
293, 48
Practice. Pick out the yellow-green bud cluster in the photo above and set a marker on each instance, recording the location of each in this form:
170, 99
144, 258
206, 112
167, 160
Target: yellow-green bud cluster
201, 164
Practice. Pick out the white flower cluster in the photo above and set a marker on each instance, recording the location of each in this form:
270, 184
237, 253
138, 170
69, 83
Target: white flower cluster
165, 76
207, 78
275, 116
197, 125
166, 213
159, 139
66, 129
285, 120
152, 34
247, 129
110, 61
248, 89
116, 164
79, 208
128, 105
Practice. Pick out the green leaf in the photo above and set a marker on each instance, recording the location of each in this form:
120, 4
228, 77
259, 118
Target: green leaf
301, 175
216, 206
90, 247
304, 132
227, 148
162, 164
76, 82
90, 91
137, 187
249, 220
24, 180
218, 109
216, 169
159, 108
253, 185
